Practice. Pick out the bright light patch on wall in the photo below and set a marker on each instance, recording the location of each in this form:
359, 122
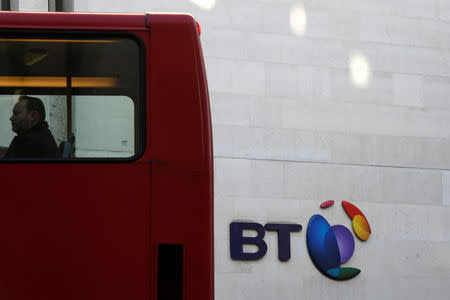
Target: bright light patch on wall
298, 19
205, 4
359, 70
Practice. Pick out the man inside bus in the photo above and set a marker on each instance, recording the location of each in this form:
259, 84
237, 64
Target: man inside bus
33, 139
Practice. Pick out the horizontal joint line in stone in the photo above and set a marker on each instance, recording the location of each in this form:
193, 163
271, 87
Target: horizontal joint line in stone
329, 163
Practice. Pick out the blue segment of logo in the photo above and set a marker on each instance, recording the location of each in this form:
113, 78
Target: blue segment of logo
324, 249
322, 244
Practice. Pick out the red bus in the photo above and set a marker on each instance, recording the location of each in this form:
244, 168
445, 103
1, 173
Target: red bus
127, 212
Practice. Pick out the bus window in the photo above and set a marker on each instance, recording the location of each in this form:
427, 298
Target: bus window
90, 88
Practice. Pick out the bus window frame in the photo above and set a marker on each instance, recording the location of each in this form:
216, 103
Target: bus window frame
140, 104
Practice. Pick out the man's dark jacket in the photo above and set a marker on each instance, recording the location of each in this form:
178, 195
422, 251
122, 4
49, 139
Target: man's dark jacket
38, 142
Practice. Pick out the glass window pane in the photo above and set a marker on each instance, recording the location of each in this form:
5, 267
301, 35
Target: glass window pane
104, 126
89, 87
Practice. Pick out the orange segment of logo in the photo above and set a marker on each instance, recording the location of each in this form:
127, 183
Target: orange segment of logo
361, 227
360, 224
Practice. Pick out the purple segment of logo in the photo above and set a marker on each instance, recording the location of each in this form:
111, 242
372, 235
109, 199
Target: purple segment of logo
345, 241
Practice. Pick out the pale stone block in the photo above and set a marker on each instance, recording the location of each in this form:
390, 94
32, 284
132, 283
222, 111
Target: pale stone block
404, 59
122, 6
217, 17
344, 25
377, 28
281, 80
402, 258
276, 18
232, 176
226, 43
407, 222
279, 283
224, 209
379, 89
408, 90
248, 142
220, 74
223, 264
267, 113
437, 92
411, 186
223, 141
314, 83
300, 181
267, 178
248, 78
437, 219
405, 151
329, 53
325, 182
405, 8
344, 182
310, 52
266, 210
266, 143
341, 6
314, 52
278, 143
317, 24
359, 149
380, 57
241, 177
301, 115
265, 47
344, 147
373, 184
231, 109
444, 9
405, 31
310, 146
365, 119
246, 15
446, 187
288, 210
224, 286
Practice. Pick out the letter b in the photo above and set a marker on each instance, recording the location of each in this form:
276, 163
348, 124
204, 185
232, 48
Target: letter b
237, 241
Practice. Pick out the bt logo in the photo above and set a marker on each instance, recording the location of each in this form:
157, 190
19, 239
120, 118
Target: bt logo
328, 246
331, 246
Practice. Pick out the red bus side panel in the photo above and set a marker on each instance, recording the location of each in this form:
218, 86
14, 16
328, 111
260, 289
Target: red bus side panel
181, 146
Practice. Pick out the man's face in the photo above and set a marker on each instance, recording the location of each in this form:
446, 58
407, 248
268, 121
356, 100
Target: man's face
21, 119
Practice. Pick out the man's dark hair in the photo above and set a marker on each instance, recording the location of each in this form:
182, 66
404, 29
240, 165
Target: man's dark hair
34, 104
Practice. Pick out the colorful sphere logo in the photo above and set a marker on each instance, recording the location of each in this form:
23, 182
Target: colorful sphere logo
331, 246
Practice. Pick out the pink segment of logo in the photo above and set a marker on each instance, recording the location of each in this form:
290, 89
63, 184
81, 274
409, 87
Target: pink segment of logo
327, 204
